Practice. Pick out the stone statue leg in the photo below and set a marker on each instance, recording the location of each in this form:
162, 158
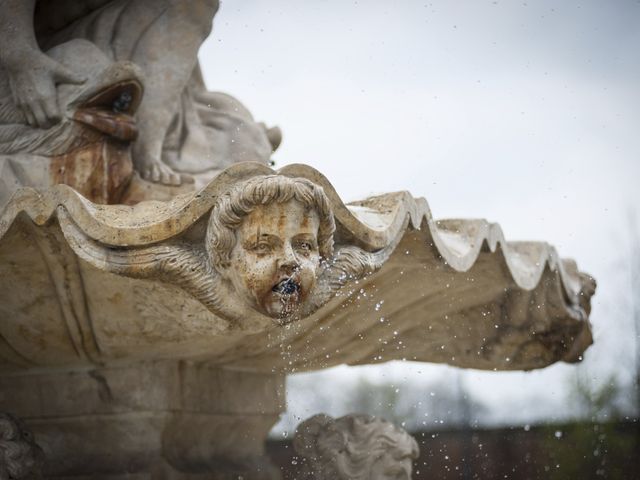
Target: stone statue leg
167, 52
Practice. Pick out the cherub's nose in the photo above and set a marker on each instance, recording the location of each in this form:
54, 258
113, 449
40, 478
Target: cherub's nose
288, 261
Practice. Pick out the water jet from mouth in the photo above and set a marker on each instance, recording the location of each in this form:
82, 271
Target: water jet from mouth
287, 287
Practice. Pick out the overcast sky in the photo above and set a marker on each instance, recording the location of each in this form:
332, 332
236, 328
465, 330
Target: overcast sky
524, 113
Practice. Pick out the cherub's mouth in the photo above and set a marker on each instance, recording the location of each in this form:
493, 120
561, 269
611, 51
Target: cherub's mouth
286, 287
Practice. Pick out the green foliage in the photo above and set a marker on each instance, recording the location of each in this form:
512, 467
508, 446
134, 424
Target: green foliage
589, 450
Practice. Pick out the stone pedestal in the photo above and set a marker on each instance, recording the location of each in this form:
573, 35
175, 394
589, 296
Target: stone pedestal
152, 420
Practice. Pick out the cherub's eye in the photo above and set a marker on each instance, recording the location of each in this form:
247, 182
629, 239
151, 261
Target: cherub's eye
304, 247
262, 247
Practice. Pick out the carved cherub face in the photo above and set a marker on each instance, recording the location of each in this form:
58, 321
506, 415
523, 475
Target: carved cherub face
354, 447
275, 258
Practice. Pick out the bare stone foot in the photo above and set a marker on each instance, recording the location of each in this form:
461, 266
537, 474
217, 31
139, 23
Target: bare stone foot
157, 172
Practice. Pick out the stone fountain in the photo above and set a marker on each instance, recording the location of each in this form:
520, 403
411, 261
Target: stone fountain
159, 280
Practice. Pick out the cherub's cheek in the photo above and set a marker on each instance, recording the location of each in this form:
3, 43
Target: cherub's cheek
308, 276
311, 265
262, 273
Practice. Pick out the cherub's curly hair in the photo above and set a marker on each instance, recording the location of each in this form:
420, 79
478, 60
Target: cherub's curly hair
243, 198
322, 440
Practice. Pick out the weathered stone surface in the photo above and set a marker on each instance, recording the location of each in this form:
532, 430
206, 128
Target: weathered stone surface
150, 419
20, 457
71, 79
148, 338
144, 282
152, 340
89, 147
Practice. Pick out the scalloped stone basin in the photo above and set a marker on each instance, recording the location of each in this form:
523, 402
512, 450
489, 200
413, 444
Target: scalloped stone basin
135, 350
451, 291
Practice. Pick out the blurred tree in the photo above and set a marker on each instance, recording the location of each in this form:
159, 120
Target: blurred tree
614, 394
596, 402
379, 399
439, 404
634, 264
